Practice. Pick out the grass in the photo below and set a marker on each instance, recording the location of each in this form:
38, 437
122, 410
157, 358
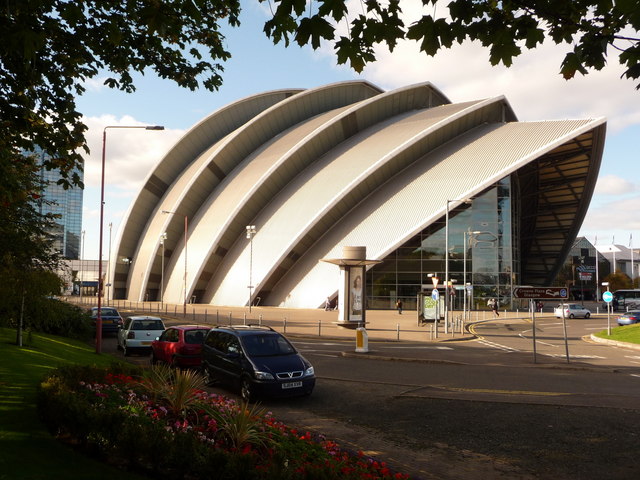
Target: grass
628, 333
27, 450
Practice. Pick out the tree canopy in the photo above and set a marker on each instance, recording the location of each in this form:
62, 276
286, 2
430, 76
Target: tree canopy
50, 48
590, 28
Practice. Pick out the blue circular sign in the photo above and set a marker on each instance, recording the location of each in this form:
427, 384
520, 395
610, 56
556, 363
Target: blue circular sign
607, 296
563, 293
435, 294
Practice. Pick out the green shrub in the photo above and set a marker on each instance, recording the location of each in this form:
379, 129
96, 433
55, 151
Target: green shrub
160, 424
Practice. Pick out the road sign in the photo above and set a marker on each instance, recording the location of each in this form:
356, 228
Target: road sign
607, 296
559, 293
435, 294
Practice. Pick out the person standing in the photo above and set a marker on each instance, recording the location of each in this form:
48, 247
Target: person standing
399, 306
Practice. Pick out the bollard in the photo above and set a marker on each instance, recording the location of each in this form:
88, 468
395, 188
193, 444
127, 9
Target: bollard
431, 331
175, 310
319, 328
229, 318
244, 318
398, 331
260, 320
205, 315
217, 317
285, 324
194, 314
362, 340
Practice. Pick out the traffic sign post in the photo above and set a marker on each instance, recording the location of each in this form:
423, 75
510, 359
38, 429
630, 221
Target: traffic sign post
608, 297
541, 293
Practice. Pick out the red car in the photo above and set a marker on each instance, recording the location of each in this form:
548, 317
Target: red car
180, 346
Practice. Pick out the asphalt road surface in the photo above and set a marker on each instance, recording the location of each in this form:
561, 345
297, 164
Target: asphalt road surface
475, 409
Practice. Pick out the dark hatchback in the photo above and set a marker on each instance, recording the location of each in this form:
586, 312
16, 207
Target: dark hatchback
257, 360
111, 319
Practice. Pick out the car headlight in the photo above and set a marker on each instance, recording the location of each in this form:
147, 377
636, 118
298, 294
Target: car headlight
263, 376
309, 372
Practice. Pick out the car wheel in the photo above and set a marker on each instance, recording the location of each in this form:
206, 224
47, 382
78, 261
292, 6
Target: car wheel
572, 316
246, 390
208, 378
587, 315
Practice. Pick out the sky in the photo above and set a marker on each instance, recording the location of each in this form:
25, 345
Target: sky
532, 85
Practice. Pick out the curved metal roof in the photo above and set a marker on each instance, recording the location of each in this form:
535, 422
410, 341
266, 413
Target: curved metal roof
347, 164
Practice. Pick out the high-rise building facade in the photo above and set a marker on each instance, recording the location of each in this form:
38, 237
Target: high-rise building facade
67, 205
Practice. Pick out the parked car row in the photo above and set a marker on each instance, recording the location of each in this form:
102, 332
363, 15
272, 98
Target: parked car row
257, 360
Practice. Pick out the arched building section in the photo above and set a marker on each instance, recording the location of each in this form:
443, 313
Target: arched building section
348, 164
191, 145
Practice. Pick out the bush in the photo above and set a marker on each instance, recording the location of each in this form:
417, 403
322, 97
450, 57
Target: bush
136, 422
49, 315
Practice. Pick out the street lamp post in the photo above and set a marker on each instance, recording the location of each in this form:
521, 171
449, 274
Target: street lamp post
186, 229
446, 261
163, 237
251, 231
467, 236
100, 282
81, 265
106, 299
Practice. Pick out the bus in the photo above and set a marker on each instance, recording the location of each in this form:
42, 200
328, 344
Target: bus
626, 299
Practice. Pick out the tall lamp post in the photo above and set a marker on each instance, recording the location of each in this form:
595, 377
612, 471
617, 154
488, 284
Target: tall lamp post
446, 261
163, 237
186, 229
100, 282
251, 231
106, 299
81, 265
467, 236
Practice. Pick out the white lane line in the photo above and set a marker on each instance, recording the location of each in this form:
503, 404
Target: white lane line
635, 375
498, 346
538, 341
560, 355
417, 347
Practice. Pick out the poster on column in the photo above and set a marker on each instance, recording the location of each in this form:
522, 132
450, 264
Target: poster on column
356, 293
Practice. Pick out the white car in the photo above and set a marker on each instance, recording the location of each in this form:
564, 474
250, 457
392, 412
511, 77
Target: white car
138, 333
572, 310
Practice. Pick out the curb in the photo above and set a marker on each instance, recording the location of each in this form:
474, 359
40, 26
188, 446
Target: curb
615, 343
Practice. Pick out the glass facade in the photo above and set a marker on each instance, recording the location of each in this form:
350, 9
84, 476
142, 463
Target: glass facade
488, 265
67, 205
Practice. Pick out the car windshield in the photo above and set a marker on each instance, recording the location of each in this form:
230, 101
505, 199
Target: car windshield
266, 345
147, 325
195, 337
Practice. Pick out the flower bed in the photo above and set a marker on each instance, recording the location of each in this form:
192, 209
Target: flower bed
164, 423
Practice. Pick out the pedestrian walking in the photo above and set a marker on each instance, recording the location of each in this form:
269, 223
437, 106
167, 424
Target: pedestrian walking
493, 305
327, 305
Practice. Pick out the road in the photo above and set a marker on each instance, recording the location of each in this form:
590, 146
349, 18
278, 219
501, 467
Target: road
477, 409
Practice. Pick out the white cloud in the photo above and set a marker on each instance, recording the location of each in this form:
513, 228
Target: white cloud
533, 84
614, 185
95, 84
131, 154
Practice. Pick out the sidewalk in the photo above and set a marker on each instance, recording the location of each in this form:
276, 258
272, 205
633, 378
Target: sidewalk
381, 325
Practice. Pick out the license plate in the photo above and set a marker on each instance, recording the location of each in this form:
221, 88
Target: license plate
145, 343
292, 385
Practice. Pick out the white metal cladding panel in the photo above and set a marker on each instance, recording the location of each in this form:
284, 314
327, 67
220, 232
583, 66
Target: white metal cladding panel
156, 223
417, 196
176, 160
222, 206
305, 199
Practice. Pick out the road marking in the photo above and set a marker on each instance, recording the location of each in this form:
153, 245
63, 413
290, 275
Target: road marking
561, 355
635, 375
503, 392
498, 346
418, 347
538, 341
